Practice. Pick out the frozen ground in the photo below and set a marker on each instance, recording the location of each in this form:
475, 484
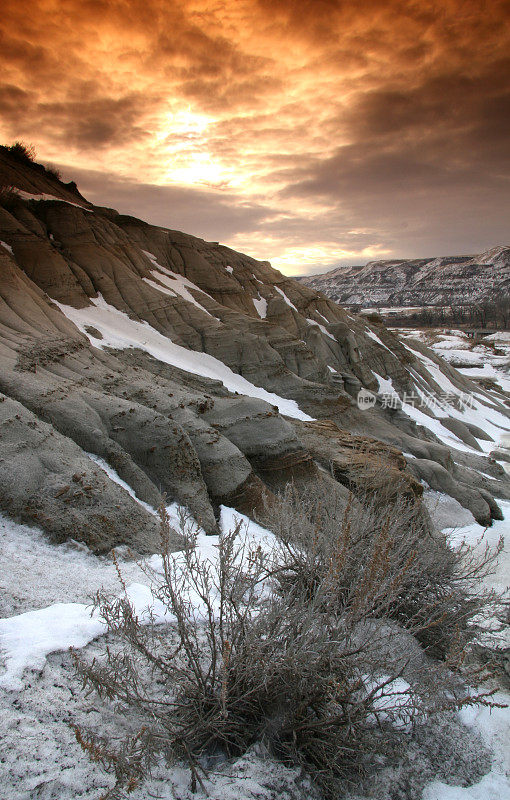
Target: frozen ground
40, 696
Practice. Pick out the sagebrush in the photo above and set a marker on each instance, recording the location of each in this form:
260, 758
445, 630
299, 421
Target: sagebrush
307, 643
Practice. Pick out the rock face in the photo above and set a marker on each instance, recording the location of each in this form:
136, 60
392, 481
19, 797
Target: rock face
46, 479
449, 280
195, 372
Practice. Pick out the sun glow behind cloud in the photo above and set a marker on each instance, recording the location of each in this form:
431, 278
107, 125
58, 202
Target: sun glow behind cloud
181, 142
306, 133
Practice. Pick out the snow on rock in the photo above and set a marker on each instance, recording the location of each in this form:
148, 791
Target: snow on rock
45, 196
7, 247
120, 332
474, 409
322, 327
375, 338
485, 370
419, 416
385, 385
470, 359
472, 533
289, 303
175, 283
260, 306
115, 477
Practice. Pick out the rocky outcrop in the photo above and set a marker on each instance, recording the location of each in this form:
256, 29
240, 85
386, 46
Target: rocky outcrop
121, 340
365, 465
482, 505
47, 480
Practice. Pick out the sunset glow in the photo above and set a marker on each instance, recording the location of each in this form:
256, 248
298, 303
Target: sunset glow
309, 133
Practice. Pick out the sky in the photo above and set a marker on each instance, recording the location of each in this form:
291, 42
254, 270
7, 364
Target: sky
310, 133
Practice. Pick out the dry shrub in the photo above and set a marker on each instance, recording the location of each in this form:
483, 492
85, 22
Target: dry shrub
53, 171
307, 647
388, 563
377, 477
23, 152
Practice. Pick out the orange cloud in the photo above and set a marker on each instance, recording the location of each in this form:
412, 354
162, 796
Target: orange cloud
341, 127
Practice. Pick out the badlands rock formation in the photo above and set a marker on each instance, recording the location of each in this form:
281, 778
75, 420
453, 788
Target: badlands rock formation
201, 374
447, 280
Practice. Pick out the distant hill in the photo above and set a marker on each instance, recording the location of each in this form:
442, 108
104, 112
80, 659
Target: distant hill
445, 280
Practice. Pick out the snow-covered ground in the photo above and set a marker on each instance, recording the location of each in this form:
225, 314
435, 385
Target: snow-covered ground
493, 725
51, 583
479, 409
28, 637
485, 358
45, 593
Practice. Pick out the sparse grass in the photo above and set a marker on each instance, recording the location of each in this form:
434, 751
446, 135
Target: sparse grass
21, 151
26, 154
53, 172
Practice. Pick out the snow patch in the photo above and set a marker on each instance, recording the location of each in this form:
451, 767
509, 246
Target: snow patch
289, 303
28, 638
175, 284
260, 306
322, 327
121, 332
494, 727
385, 385
375, 338
44, 196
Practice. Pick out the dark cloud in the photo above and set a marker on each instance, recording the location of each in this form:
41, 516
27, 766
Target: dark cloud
332, 127
77, 122
95, 123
